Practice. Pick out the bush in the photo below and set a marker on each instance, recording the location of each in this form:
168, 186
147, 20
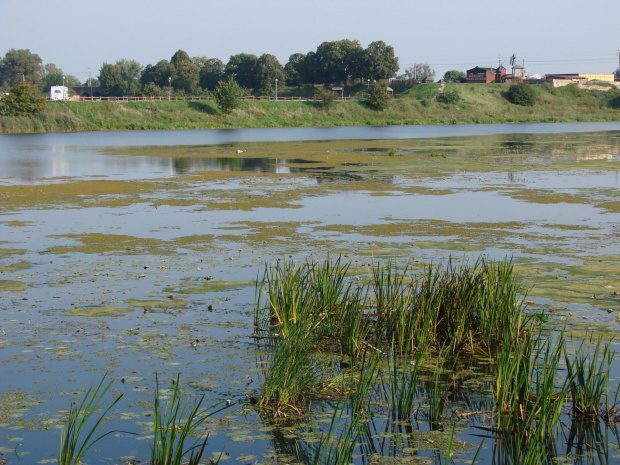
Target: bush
24, 99
228, 95
377, 96
521, 94
325, 98
449, 96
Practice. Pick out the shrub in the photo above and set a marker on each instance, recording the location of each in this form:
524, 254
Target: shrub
521, 94
228, 95
377, 96
24, 99
324, 97
449, 96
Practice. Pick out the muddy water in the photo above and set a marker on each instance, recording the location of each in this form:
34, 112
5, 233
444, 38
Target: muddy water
138, 256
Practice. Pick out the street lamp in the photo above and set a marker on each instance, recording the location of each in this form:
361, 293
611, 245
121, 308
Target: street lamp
368, 85
169, 87
63, 89
276, 88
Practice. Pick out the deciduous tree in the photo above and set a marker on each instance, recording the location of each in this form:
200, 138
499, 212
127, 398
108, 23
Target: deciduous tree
228, 95
24, 99
157, 74
268, 69
211, 73
420, 72
111, 79
242, 68
339, 61
454, 76
379, 61
19, 66
130, 74
292, 69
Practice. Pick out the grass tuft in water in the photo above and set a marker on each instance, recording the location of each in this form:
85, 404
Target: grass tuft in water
172, 427
76, 438
589, 378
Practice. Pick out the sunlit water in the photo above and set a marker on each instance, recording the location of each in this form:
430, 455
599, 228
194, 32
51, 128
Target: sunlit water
49, 356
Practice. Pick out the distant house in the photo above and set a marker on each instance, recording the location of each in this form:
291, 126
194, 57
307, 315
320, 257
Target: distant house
485, 75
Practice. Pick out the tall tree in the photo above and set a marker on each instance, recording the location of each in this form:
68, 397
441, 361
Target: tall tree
111, 80
420, 72
130, 74
340, 61
309, 69
379, 61
20, 66
186, 76
268, 69
454, 76
211, 73
157, 74
242, 68
292, 69
179, 56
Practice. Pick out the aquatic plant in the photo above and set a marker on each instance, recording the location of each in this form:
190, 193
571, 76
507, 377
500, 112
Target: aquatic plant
75, 437
401, 385
466, 307
588, 379
292, 374
172, 427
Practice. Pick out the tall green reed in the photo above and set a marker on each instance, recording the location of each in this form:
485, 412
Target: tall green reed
292, 373
589, 378
173, 424
76, 438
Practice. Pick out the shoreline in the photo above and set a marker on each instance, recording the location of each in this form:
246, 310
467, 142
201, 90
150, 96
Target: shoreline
477, 104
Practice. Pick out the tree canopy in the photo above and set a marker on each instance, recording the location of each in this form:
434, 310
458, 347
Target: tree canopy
380, 61
268, 69
340, 62
420, 72
20, 66
242, 68
24, 99
454, 76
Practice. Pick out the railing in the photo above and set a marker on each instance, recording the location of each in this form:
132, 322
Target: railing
76, 98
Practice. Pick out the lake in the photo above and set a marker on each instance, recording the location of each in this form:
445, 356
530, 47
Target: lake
137, 253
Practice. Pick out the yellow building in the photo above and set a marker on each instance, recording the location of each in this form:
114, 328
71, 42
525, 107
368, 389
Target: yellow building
598, 77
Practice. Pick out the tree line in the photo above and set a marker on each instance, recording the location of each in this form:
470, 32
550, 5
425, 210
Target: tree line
340, 62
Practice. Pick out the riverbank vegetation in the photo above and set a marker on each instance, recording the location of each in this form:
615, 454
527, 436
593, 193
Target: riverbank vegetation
468, 104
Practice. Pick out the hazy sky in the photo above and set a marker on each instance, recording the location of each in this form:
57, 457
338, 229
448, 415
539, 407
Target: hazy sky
567, 36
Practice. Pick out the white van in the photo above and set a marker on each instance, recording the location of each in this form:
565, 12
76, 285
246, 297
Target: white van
60, 93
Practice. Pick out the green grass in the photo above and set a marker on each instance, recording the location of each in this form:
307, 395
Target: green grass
477, 104
78, 433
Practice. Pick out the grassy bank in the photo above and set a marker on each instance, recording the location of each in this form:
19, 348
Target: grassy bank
417, 105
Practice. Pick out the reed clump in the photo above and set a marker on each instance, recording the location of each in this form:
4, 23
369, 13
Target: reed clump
459, 308
314, 307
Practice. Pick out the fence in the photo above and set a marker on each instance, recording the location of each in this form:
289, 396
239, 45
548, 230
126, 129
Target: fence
77, 98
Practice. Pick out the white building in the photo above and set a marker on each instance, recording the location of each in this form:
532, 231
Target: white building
59, 93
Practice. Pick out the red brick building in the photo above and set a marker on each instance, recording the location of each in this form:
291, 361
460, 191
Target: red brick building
485, 75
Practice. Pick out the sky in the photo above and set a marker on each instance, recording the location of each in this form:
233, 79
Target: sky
551, 36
